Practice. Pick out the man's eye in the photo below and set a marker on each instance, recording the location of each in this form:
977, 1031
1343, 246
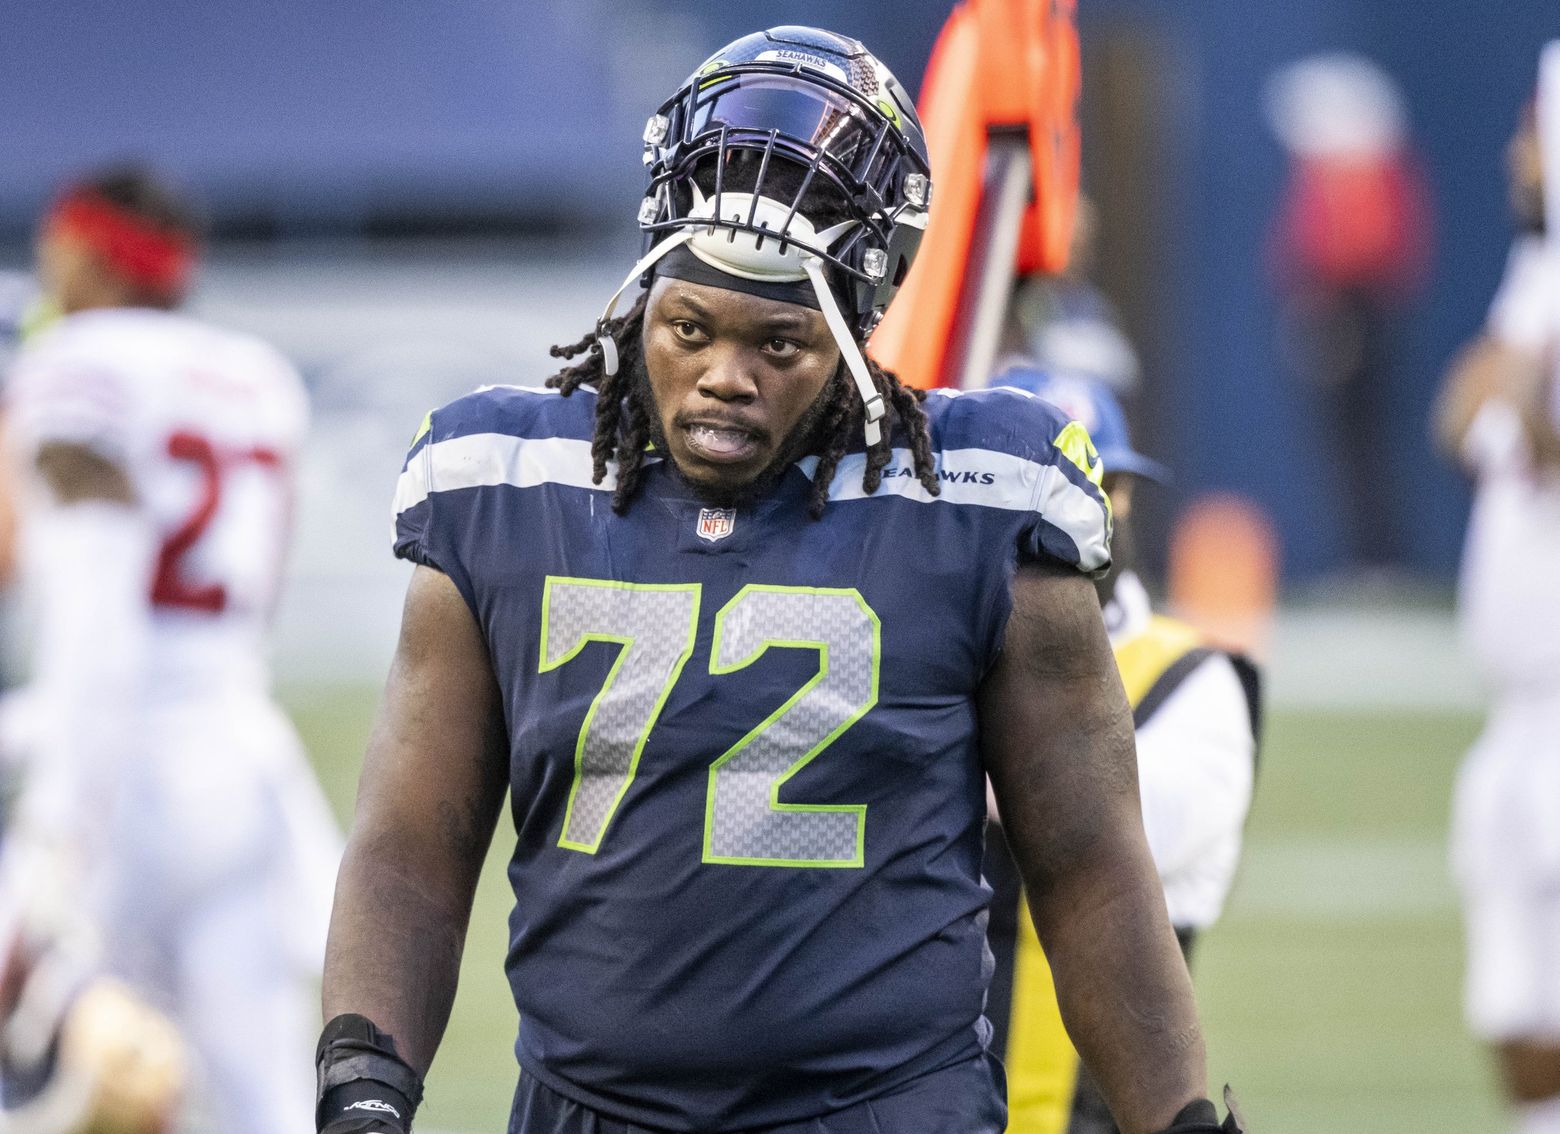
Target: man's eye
784, 348
687, 329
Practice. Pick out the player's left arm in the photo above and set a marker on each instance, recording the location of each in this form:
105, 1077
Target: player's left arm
90, 667
1487, 370
434, 779
86, 692
1057, 740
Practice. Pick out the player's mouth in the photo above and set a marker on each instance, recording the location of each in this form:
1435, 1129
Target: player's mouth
722, 443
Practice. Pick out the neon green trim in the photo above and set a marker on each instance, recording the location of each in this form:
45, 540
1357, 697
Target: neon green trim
427, 424
858, 809
1074, 443
627, 642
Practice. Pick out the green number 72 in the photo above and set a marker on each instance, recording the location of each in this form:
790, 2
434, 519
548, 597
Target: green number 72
654, 626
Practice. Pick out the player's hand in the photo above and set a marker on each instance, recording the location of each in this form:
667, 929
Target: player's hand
1202, 1117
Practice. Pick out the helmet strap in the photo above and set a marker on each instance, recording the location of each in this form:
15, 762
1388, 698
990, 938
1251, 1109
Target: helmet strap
608, 344
871, 400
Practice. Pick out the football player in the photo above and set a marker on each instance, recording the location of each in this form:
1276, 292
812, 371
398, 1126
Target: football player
1499, 416
1196, 711
164, 791
740, 625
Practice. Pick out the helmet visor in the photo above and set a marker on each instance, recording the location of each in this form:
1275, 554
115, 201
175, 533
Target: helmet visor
803, 113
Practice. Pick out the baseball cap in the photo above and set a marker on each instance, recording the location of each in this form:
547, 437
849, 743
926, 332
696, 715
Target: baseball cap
1092, 404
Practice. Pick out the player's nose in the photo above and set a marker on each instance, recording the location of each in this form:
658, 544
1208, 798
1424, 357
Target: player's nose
728, 375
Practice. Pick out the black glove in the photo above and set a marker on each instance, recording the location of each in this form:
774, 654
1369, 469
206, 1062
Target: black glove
365, 1087
1202, 1117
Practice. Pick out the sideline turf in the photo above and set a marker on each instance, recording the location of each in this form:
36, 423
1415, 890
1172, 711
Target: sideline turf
1329, 991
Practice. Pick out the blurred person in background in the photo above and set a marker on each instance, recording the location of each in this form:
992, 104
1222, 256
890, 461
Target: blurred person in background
169, 831
1499, 418
739, 623
1064, 324
1350, 246
23, 312
1196, 710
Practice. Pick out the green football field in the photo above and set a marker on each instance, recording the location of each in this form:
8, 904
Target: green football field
1329, 991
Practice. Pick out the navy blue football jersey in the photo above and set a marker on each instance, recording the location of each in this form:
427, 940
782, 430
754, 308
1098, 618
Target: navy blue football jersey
744, 766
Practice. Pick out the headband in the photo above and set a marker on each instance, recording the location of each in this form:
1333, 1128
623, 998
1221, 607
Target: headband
683, 263
153, 257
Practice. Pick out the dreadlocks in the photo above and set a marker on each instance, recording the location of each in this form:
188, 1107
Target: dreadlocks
623, 416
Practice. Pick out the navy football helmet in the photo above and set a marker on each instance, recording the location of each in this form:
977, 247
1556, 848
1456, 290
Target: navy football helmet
792, 156
822, 104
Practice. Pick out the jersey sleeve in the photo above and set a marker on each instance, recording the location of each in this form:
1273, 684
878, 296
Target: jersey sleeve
419, 536
1070, 522
65, 390
413, 506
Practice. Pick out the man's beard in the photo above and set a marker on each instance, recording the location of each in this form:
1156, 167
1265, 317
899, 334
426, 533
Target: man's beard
803, 439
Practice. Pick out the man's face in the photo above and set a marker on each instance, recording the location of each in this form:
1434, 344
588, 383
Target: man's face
736, 380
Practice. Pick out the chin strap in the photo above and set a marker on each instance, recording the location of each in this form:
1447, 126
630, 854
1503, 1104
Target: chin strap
871, 400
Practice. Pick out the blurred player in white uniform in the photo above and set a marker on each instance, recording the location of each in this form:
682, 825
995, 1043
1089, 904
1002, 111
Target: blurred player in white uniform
1499, 417
165, 792
1196, 712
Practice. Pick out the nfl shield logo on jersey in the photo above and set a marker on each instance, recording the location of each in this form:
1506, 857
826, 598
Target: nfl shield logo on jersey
716, 523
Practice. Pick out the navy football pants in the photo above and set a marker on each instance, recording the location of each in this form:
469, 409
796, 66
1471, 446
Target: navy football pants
967, 1098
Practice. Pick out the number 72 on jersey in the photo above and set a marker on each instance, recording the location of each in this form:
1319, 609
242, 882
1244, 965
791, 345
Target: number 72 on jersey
745, 824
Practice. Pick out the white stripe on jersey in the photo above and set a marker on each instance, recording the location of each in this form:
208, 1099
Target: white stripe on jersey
480, 460
992, 479
969, 476
1068, 507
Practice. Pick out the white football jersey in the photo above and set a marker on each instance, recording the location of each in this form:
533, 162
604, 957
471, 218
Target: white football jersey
206, 424
1508, 605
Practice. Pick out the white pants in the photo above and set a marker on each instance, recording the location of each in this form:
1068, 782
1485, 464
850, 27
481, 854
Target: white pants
1506, 856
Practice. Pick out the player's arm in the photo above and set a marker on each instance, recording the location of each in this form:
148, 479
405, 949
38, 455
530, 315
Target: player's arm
1056, 736
92, 629
432, 784
1489, 369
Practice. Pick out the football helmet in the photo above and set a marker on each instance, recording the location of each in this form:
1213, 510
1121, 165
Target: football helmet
111, 1064
791, 156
